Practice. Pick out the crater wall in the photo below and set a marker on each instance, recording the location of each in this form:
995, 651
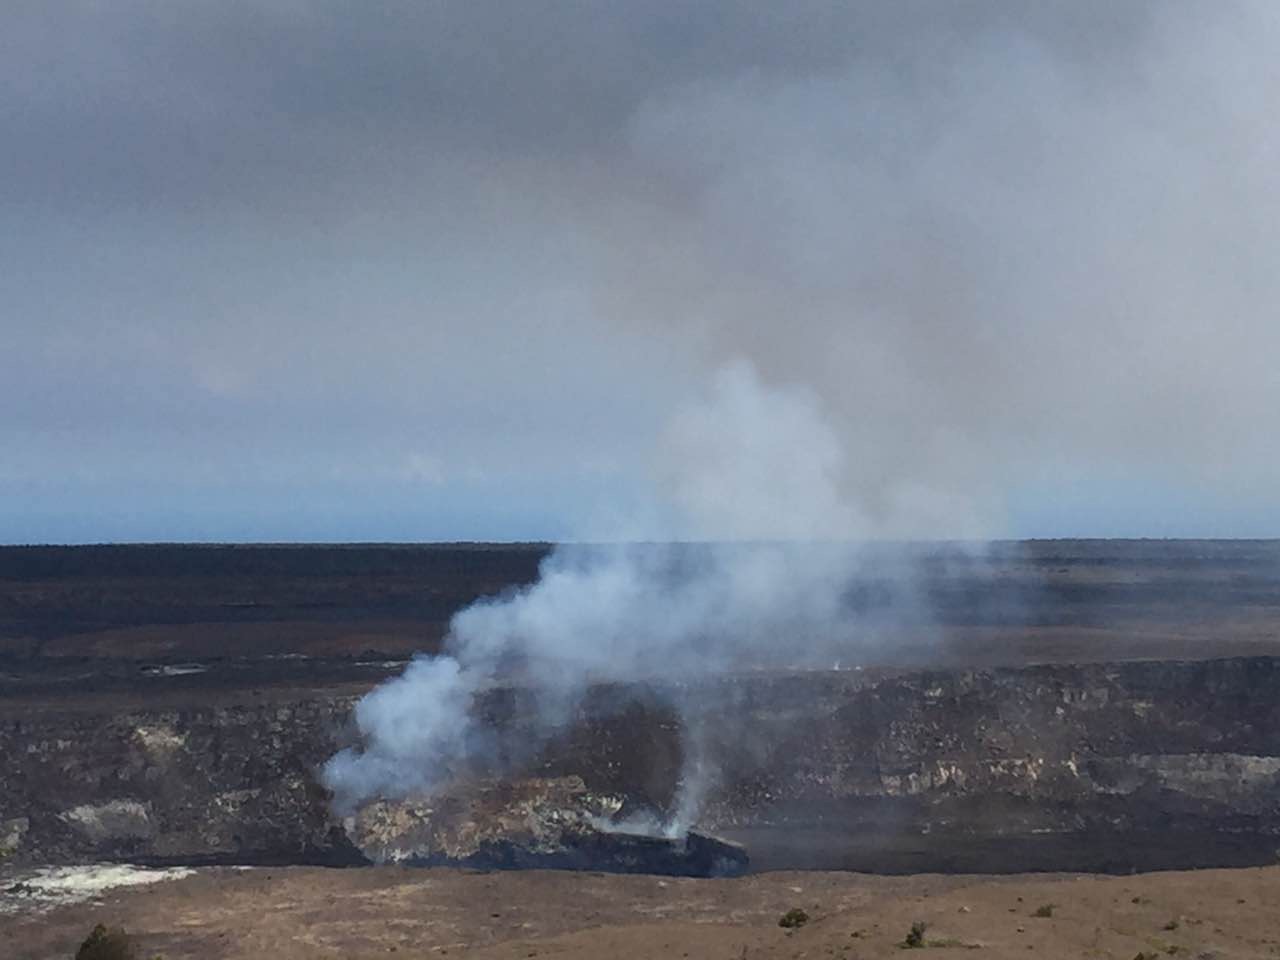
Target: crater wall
1060, 766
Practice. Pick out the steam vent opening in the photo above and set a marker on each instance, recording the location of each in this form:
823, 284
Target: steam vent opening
1081, 744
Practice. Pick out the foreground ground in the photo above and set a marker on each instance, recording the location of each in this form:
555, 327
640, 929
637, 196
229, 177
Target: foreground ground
363, 913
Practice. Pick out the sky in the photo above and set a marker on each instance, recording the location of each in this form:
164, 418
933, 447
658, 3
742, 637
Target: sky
283, 270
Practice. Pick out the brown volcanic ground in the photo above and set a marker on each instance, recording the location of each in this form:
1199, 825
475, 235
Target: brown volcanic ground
310, 913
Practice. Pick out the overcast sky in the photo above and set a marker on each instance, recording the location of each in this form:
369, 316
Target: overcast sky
285, 270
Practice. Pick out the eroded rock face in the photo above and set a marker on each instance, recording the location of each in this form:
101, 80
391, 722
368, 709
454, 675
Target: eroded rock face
533, 814
12, 833
530, 823
234, 784
114, 820
1246, 784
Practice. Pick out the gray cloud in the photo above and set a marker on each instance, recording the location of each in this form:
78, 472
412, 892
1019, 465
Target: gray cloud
1009, 252
189, 104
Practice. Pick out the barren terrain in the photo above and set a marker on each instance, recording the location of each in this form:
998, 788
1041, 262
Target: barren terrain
220, 914
148, 672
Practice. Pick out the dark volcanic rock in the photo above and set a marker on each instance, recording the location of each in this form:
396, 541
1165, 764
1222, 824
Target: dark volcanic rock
692, 855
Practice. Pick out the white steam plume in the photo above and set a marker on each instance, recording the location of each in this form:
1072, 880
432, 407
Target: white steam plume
754, 468
1003, 249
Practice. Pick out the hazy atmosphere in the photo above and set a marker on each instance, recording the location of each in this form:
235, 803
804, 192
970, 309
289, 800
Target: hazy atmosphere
407, 271
725, 479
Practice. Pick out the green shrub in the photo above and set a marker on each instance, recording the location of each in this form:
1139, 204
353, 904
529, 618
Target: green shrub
1044, 910
915, 936
107, 943
795, 917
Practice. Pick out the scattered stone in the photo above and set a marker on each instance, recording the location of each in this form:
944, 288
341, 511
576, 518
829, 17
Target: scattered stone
12, 833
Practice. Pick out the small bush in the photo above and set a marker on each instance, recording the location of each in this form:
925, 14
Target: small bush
1172, 925
915, 936
107, 943
795, 917
1044, 910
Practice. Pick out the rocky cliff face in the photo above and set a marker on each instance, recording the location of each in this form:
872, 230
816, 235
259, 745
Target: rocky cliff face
1067, 766
224, 784
534, 822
